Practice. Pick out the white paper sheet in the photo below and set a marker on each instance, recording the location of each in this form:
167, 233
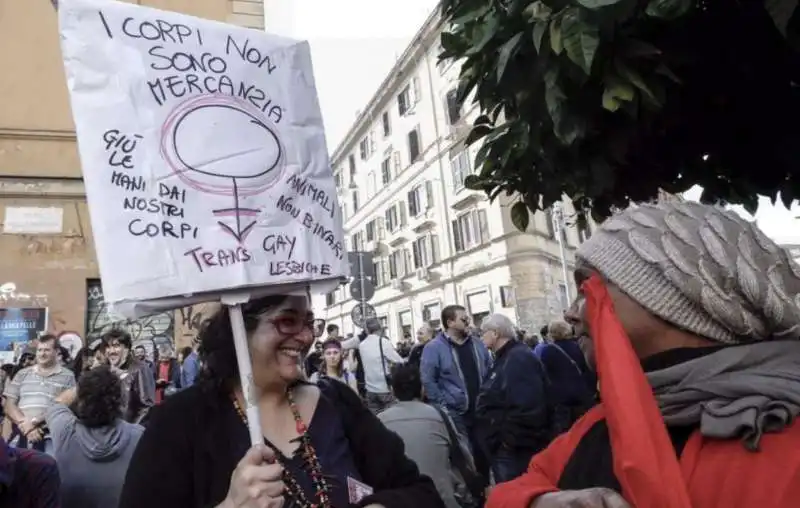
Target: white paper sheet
203, 153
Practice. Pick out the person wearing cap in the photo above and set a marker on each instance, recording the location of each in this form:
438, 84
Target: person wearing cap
693, 316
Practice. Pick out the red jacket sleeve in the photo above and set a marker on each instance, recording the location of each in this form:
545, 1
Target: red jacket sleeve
545, 468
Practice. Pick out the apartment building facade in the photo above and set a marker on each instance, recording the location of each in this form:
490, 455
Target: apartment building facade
400, 175
48, 267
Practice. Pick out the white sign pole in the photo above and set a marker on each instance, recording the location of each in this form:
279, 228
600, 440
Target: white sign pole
246, 374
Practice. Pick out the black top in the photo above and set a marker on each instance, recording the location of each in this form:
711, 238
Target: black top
512, 409
469, 367
592, 464
195, 439
326, 429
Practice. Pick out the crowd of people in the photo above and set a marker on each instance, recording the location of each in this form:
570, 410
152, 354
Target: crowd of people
673, 380
70, 425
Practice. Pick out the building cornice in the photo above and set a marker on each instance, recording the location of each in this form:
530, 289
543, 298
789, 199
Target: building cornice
396, 77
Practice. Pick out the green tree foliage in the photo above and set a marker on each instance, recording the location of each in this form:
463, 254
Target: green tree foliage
608, 101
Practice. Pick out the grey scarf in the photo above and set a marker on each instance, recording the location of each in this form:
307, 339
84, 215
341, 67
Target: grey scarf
737, 392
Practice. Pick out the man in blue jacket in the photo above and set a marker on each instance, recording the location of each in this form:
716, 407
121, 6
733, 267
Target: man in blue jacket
454, 366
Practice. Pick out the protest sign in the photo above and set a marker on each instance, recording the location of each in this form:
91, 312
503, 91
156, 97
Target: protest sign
203, 154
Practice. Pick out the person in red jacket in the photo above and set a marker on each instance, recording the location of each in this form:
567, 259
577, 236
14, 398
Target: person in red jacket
694, 319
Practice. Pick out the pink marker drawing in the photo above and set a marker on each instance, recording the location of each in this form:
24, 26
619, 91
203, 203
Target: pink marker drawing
221, 145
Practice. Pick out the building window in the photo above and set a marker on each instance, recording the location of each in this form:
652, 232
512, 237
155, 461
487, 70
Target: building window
584, 228
380, 268
413, 145
461, 168
386, 171
372, 227
552, 226
470, 230
330, 298
395, 216
562, 296
337, 178
406, 324
398, 264
420, 198
351, 162
356, 204
432, 314
387, 124
384, 321
357, 240
548, 218
425, 251
371, 185
408, 97
363, 148
452, 107
507, 296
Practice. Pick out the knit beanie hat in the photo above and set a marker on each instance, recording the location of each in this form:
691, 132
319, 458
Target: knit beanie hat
702, 269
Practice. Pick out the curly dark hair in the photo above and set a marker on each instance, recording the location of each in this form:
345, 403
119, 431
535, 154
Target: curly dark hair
216, 351
100, 399
120, 336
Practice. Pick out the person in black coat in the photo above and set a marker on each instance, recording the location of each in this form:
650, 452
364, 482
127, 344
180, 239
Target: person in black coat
321, 445
512, 408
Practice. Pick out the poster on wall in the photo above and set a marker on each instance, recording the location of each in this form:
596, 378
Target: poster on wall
20, 325
204, 157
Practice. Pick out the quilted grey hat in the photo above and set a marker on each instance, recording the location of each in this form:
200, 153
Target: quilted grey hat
700, 268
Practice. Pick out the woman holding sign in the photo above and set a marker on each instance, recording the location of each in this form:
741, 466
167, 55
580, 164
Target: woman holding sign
322, 448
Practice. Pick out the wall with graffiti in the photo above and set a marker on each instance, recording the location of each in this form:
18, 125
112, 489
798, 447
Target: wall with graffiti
149, 332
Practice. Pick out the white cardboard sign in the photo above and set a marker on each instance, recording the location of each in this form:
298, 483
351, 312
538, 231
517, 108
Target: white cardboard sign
203, 153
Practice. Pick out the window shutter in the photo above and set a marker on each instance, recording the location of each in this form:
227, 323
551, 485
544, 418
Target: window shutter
416, 89
483, 226
433, 240
403, 218
428, 194
458, 242
396, 158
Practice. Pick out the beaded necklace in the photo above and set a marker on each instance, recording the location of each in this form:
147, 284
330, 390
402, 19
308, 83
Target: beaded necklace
311, 462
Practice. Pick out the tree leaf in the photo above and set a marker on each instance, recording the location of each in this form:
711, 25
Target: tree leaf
506, 52
665, 71
635, 79
450, 42
581, 40
597, 4
555, 36
781, 12
639, 49
537, 11
617, 92
538, 33
473, 182
520, 217
477, 133
668, 9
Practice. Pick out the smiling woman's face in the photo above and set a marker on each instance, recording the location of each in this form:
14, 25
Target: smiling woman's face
280, 342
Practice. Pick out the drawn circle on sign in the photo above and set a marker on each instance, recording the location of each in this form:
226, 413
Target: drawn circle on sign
211, 142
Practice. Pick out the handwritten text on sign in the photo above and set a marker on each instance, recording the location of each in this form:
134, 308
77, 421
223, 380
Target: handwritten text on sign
203, 152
